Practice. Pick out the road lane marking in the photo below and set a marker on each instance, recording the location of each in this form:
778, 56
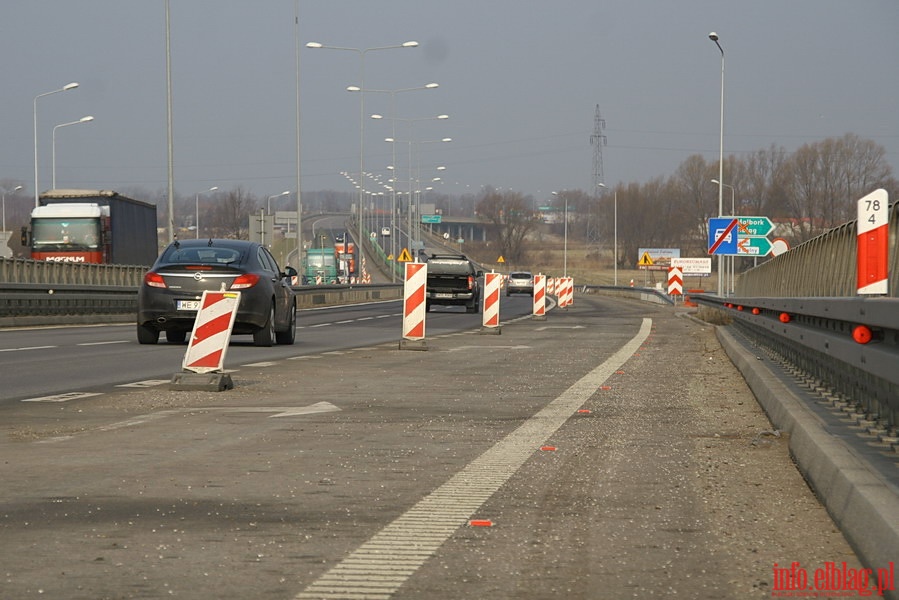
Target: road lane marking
28, 348
103, 343
68, 396
146, 383
378, 568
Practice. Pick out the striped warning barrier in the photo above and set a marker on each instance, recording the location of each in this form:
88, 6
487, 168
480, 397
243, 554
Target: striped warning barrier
566, 292
675, 281
492, 285
414, 306
551, 286
212, 332
539, 296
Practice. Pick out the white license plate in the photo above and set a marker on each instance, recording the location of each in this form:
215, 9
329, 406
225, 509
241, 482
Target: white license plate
441, 295
187, 305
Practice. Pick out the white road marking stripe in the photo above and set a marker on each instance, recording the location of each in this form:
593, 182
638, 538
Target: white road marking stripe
63, 397
401, 547
102, 343
27, 348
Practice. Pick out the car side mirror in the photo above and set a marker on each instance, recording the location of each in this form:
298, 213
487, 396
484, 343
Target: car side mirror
290, 272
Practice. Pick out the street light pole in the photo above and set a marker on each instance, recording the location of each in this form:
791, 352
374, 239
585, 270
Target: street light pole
86, 119
565, 244
14, 190
362, 52
714, 37
37, 185
733, 210
197, 218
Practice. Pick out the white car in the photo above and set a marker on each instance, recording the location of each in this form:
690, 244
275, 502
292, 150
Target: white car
385, 231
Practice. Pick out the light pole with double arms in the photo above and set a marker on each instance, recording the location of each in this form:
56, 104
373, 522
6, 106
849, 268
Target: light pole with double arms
361, 52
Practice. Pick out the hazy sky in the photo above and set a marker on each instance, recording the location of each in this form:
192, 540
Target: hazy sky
519, 79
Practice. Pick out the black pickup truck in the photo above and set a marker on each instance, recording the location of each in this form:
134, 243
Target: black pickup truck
453, 281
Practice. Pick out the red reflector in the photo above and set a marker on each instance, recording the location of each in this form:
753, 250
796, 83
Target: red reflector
154, 280
247, 280
470, 282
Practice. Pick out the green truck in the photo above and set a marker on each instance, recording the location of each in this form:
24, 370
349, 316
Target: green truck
320, 266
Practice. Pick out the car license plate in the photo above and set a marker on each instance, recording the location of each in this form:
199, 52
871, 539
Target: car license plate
442, 295
187, 305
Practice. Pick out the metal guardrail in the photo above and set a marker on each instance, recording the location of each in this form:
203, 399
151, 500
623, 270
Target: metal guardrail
44, 304
818, 337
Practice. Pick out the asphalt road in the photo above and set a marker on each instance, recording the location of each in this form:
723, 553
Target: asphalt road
610, 451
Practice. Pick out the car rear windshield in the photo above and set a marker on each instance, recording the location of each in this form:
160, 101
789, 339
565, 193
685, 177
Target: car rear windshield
206, 254
450, 267
520, 275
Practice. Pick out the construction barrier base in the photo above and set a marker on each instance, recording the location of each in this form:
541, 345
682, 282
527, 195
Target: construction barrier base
539, 317
413, 344
201, 382
498, 330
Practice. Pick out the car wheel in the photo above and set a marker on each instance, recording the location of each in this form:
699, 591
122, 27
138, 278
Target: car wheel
288, 336
265, 335
147, 334
175, 336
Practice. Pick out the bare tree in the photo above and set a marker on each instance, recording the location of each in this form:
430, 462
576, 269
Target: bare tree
511, 217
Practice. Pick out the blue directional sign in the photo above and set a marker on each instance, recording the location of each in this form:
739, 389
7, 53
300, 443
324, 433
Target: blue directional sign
723, 235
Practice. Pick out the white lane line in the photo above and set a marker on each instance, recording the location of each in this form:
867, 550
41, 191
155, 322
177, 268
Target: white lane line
63, 397
27, 348
103, 343
146, 383
382, 564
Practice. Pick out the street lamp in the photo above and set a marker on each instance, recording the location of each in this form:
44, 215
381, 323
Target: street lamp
565, 247
393, 192
361, 52
615, 237
411, 179
37, 184
86, 119
197, 219
14, 190
714, 37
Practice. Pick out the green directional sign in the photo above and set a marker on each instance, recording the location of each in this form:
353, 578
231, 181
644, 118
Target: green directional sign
431, 218
752, 226
753, 246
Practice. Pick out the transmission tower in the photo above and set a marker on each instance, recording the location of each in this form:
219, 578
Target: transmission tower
597, 140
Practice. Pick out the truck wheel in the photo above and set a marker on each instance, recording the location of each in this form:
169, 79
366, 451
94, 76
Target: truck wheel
288, 336
471, 308
147, 334
265, 336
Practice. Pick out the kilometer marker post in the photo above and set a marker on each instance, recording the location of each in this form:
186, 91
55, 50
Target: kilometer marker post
873, 243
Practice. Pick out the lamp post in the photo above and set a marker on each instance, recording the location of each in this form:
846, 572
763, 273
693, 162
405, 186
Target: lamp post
565, 245
615, 237
269, 211
14, 190
37, 185
714, 37
361, 52
197, 219
86, 119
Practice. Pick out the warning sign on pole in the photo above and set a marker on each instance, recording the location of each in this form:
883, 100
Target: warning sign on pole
675, 282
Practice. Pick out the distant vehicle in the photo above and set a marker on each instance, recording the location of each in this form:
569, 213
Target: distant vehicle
320, 265
345, 253
92, 226
452, 281
520, 282
385, 231
169, 298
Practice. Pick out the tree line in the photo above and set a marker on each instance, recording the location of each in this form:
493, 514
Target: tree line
805, 192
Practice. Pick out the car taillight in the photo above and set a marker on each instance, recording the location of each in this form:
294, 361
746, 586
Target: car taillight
154, 280
242, 282
470, 282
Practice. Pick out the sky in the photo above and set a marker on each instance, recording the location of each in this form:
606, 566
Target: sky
519, 79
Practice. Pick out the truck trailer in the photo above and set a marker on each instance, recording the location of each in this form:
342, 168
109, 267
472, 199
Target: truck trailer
92, 226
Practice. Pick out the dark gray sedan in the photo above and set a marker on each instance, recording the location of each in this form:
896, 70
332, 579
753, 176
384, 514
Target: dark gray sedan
169, 297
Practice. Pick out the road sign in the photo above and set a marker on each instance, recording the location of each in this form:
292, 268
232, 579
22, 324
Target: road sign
753, 226
645, 260
693, 266
404, 256
872, 244
431, 218
723, 235
753, 246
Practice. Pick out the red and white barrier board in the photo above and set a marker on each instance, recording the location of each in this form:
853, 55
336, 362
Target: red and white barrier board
414, 305
492, 284
675, 281
873, 243
539, 295
551, 286
212, 332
